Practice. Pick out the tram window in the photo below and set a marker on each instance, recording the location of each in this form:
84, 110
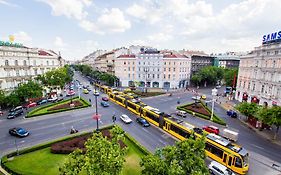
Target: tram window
119, 99
132, 106
214, 150
153, 117
238, 162
230, 161
180, 131
224, 158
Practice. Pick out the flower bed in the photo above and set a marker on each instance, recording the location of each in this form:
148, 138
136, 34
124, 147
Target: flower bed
199, 108
68, 146
66, 105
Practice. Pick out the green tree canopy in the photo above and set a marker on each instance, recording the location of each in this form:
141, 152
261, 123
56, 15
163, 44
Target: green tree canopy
186, 157
103, 156
27, 90
2, 98
229, 76
248, 109
271, 116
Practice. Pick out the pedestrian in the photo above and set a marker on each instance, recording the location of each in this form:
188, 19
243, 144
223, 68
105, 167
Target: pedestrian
90, 100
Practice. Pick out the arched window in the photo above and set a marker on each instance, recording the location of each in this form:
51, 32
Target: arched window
6, 62
16, 62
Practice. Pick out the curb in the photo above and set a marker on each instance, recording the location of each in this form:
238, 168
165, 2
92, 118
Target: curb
3, 171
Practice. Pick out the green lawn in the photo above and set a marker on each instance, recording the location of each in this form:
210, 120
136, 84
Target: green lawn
44, 109
44, 162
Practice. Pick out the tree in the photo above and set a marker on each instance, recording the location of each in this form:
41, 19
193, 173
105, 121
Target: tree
186, 157
2, 98
196, 79
103, 155
13, 99
229, 76
271, 116
248, 109
27, 90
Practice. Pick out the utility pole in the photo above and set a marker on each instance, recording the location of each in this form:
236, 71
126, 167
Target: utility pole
214, 94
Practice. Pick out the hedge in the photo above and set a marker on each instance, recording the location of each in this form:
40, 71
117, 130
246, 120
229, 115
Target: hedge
216, 119
31, 114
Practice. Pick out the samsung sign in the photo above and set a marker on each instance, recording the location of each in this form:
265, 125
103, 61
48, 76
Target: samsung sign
272, 37
10, 44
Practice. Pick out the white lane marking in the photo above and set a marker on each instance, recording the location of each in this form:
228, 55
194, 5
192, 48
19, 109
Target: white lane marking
257, 146
145, 130
161, 141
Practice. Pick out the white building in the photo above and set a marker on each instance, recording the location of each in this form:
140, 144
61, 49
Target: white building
19, 64
259, 78
153, 69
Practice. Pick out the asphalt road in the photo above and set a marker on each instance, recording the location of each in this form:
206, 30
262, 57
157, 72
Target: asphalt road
262, 152
53, 126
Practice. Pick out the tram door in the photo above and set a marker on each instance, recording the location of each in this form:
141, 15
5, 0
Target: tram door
229, 162
224, 158
167, 126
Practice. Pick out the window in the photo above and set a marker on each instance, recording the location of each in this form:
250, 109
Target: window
16, 62
6, 62
249, 84
254, 87
129, 75
164, 68
128, 68
133, 68
124, 63
139, 75
153, 76
169, 63
35, 71
152, 116
179, 131
157, 75
34, 62
164, 76
53, 62
169, 76
274, 63
128, 63
262, 88
214, 150
174, 63
158, 69
164, 63
169, 69
24, 62
174, 69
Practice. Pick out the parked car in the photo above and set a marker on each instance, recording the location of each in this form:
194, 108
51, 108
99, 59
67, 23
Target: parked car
181, 113
30, 105
216, 168
232, 113
19, 132
70, 93
1, 113
16, 108
212, 129
15, 113
104, 104
196, 98
59, 99
218, 86
96, 93
42, 101
142, 122
125, 119
104, 98
53, 99
203, 97
85, 91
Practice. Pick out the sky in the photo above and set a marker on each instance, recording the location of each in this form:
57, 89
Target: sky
76, 28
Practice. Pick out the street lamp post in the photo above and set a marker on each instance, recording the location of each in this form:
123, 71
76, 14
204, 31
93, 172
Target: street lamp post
214, 93
96, 101
145, 85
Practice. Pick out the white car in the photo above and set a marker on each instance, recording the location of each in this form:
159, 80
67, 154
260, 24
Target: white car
96, 93
216, 168
196, 98
52, 99
125, 119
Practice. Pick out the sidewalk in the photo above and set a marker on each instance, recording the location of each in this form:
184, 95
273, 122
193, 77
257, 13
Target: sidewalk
2, 171
266, 134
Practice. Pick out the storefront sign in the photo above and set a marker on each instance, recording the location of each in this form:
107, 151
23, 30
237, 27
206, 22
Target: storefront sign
272, 37
10, 44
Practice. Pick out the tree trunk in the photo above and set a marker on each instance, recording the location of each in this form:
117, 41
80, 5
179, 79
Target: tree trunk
275, 135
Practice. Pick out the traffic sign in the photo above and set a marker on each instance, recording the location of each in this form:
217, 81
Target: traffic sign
96, 116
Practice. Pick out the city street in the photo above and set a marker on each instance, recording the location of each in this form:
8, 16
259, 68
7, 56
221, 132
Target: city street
45, 128
262, 152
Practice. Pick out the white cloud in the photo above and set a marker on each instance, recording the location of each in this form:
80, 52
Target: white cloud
160, 37
4, 2
23, 37
70, 8
59, 42
113, 21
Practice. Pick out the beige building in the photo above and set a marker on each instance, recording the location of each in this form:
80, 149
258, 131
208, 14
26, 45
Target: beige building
106, 61
19, 64
153, 69
259, 78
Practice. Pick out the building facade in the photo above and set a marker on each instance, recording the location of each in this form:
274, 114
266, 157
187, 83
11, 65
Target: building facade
19, 64
227, 60
199, 61
259, 78
153, 69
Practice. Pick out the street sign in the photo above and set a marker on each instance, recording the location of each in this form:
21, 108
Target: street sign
96, 116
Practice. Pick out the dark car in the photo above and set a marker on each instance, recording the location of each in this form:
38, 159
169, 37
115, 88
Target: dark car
15, 113
104, 104
104, 98
232, 113
142, 122
19, 132
42, 101
16, 108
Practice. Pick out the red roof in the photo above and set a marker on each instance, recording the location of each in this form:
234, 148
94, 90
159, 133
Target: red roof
44, 53
174, 56
126, 56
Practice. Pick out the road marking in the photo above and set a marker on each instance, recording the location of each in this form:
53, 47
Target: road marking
162, 142
145, 130
257, 146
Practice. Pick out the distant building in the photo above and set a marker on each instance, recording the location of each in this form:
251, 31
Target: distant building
150, 68
198, 62
90, 59
19, 64
106, 61
227, 60
259, 78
